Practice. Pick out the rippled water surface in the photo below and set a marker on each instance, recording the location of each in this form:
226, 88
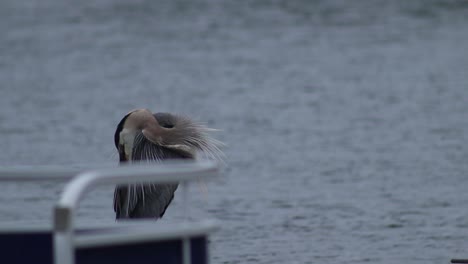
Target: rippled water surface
346, 121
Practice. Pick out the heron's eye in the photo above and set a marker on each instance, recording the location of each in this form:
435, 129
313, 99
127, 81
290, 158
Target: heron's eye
167, 125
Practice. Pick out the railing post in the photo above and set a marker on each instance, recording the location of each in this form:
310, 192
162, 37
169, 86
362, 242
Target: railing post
185, 206
63, 248
186, 247
186, 251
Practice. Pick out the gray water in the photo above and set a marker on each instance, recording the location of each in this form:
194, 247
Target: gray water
345, 121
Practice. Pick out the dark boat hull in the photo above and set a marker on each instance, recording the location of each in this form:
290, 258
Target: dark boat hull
21, 247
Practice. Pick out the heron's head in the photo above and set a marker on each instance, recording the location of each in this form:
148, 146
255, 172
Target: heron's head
162, 135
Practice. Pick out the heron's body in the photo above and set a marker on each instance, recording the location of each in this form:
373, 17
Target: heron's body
145, 137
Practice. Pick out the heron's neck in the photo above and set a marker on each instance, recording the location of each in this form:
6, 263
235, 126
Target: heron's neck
127, 137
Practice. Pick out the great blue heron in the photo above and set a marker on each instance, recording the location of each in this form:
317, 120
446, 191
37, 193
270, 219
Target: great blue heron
144, 136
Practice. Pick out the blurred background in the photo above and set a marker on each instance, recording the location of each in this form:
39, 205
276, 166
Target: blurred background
345, 121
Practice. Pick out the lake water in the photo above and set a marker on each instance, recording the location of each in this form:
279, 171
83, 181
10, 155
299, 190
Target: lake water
346, 122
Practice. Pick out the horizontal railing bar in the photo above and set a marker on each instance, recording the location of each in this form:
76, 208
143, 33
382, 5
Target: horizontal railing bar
63, 173
143, 232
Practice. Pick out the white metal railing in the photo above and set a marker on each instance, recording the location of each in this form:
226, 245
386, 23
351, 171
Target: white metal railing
64, 236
